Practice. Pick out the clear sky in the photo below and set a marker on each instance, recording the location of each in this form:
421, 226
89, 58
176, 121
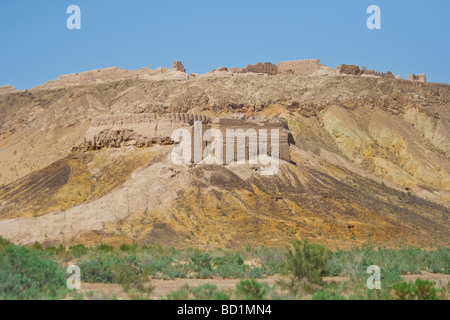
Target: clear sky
36, 45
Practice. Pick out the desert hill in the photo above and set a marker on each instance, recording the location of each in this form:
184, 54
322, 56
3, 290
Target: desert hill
370, 163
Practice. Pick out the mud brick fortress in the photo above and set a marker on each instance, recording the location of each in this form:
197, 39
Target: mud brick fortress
144, 130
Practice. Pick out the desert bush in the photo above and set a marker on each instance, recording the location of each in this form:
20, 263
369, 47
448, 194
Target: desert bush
230, 265
272, 259
99, 270
425, 290
78, 251
132, 248
327, 294
204, 292
104, 248
201, 261
182, 293
27, 274
418, 290
4, 243
408, 260
131, 274
251, 290
304, 266
256, 273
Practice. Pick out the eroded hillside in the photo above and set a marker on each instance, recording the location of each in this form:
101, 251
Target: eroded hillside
370, 162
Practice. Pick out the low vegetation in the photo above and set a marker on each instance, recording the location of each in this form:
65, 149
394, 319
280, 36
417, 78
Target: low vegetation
39, 273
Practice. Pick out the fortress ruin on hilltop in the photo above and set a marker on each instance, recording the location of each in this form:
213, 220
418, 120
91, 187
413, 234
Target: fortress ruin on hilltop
178, 72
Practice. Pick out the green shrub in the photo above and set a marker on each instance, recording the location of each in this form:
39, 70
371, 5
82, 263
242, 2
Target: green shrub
105, 248
4, 243
99, 271
419, 290
229, 258
354, 262
204, 274
201, 261
209, 292
27, 274
256, 273
272, 259
204, 292
304, 266
231, 265
129, 248
391, 277
78, 251
425, 290
252, 290
220, 295
182, 293
130, 274
327, 295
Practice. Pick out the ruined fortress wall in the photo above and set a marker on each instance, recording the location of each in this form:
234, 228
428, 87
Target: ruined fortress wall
146, 129
299, 67
244, 123
136, 129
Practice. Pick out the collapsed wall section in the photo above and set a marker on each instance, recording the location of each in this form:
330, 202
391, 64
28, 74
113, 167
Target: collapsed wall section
141, 130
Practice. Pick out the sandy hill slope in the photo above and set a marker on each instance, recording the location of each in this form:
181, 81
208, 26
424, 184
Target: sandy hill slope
371, 161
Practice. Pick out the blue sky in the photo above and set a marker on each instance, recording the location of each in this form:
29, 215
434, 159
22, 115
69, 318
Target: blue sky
36, 46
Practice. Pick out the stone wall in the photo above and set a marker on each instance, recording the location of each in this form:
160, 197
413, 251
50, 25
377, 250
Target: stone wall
144, 130
245, 123
265, 67
299, 67
354, 70
420, 77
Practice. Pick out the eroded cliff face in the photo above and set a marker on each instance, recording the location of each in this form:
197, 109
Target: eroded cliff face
214, 205
398, 130
370, 151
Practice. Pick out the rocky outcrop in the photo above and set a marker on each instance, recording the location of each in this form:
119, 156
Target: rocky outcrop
221, 69
178, 66
7, 89
420, 77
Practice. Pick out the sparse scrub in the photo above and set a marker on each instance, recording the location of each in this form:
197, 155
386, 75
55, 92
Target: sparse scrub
304, 266
26, 274
419, 290
131, 274
252, 290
